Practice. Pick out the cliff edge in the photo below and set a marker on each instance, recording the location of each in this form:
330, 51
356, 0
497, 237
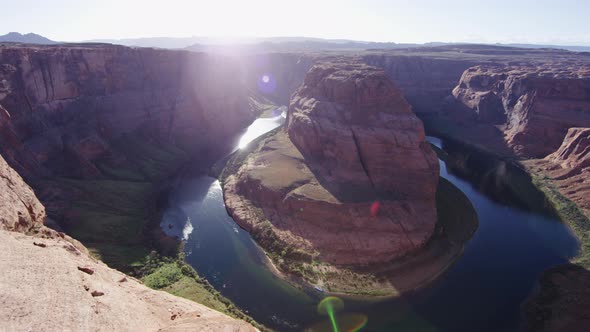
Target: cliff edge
50, 282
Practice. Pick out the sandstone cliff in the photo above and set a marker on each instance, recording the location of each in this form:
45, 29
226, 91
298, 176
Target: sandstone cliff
20, 210
535, 104
350, 181
50, 283
426, 81
354, 123
574, 152
562, 300
62, 106
568, 168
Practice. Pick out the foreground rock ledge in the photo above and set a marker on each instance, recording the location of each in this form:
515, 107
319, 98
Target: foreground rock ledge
346, 189
49, 281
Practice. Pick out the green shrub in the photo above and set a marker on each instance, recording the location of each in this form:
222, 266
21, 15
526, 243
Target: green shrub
164, 276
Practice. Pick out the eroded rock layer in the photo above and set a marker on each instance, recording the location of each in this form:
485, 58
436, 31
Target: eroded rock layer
61, 107
426, 81
568, 168
536, 105
574, 152
350, 180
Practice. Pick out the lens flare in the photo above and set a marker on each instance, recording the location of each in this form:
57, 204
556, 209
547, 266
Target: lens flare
375, 208
266, 83
358, 321
329, 306
350, 322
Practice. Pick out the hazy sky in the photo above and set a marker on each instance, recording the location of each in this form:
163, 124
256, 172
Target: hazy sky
527, 21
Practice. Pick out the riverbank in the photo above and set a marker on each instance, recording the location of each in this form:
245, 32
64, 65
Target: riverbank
117, 216
455, 226
561, 299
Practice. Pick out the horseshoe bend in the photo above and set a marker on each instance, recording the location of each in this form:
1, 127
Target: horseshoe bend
348, 183
293, 183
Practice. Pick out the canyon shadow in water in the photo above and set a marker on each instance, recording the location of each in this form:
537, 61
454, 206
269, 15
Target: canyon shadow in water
517, 239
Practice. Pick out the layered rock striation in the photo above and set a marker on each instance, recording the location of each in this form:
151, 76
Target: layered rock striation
568, 168
425, 80
574, 152
349, 181
534, 104
62, 107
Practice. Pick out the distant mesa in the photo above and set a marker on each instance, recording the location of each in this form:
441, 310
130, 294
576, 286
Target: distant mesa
29, 38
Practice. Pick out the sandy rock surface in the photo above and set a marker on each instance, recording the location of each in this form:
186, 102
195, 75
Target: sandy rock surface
49, 282
43, 289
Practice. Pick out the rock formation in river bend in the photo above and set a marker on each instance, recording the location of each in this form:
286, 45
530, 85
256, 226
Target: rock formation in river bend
49, 281
351, 140
536, 104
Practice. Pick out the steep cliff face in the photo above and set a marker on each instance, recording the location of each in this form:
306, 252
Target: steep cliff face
20, 210
425, 81
568, 168
535, 104
562, 300
62, 106
574, 152
355, 123
276, 75
46, 272
351, 181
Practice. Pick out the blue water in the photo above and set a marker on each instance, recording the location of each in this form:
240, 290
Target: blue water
516, 240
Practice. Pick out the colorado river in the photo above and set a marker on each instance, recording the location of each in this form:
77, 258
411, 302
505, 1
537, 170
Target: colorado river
516, 240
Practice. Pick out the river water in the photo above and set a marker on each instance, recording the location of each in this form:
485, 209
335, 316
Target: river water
518, 238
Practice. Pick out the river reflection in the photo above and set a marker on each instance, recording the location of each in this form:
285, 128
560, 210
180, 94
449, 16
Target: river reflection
262, 126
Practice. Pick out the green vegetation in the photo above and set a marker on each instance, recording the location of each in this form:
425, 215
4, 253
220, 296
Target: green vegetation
109, 217
569, 213
117, 219
286, 257
164, 276
191, 289
173, 275
145, 161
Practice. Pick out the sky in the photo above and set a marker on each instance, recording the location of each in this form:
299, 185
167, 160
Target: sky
561, 22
